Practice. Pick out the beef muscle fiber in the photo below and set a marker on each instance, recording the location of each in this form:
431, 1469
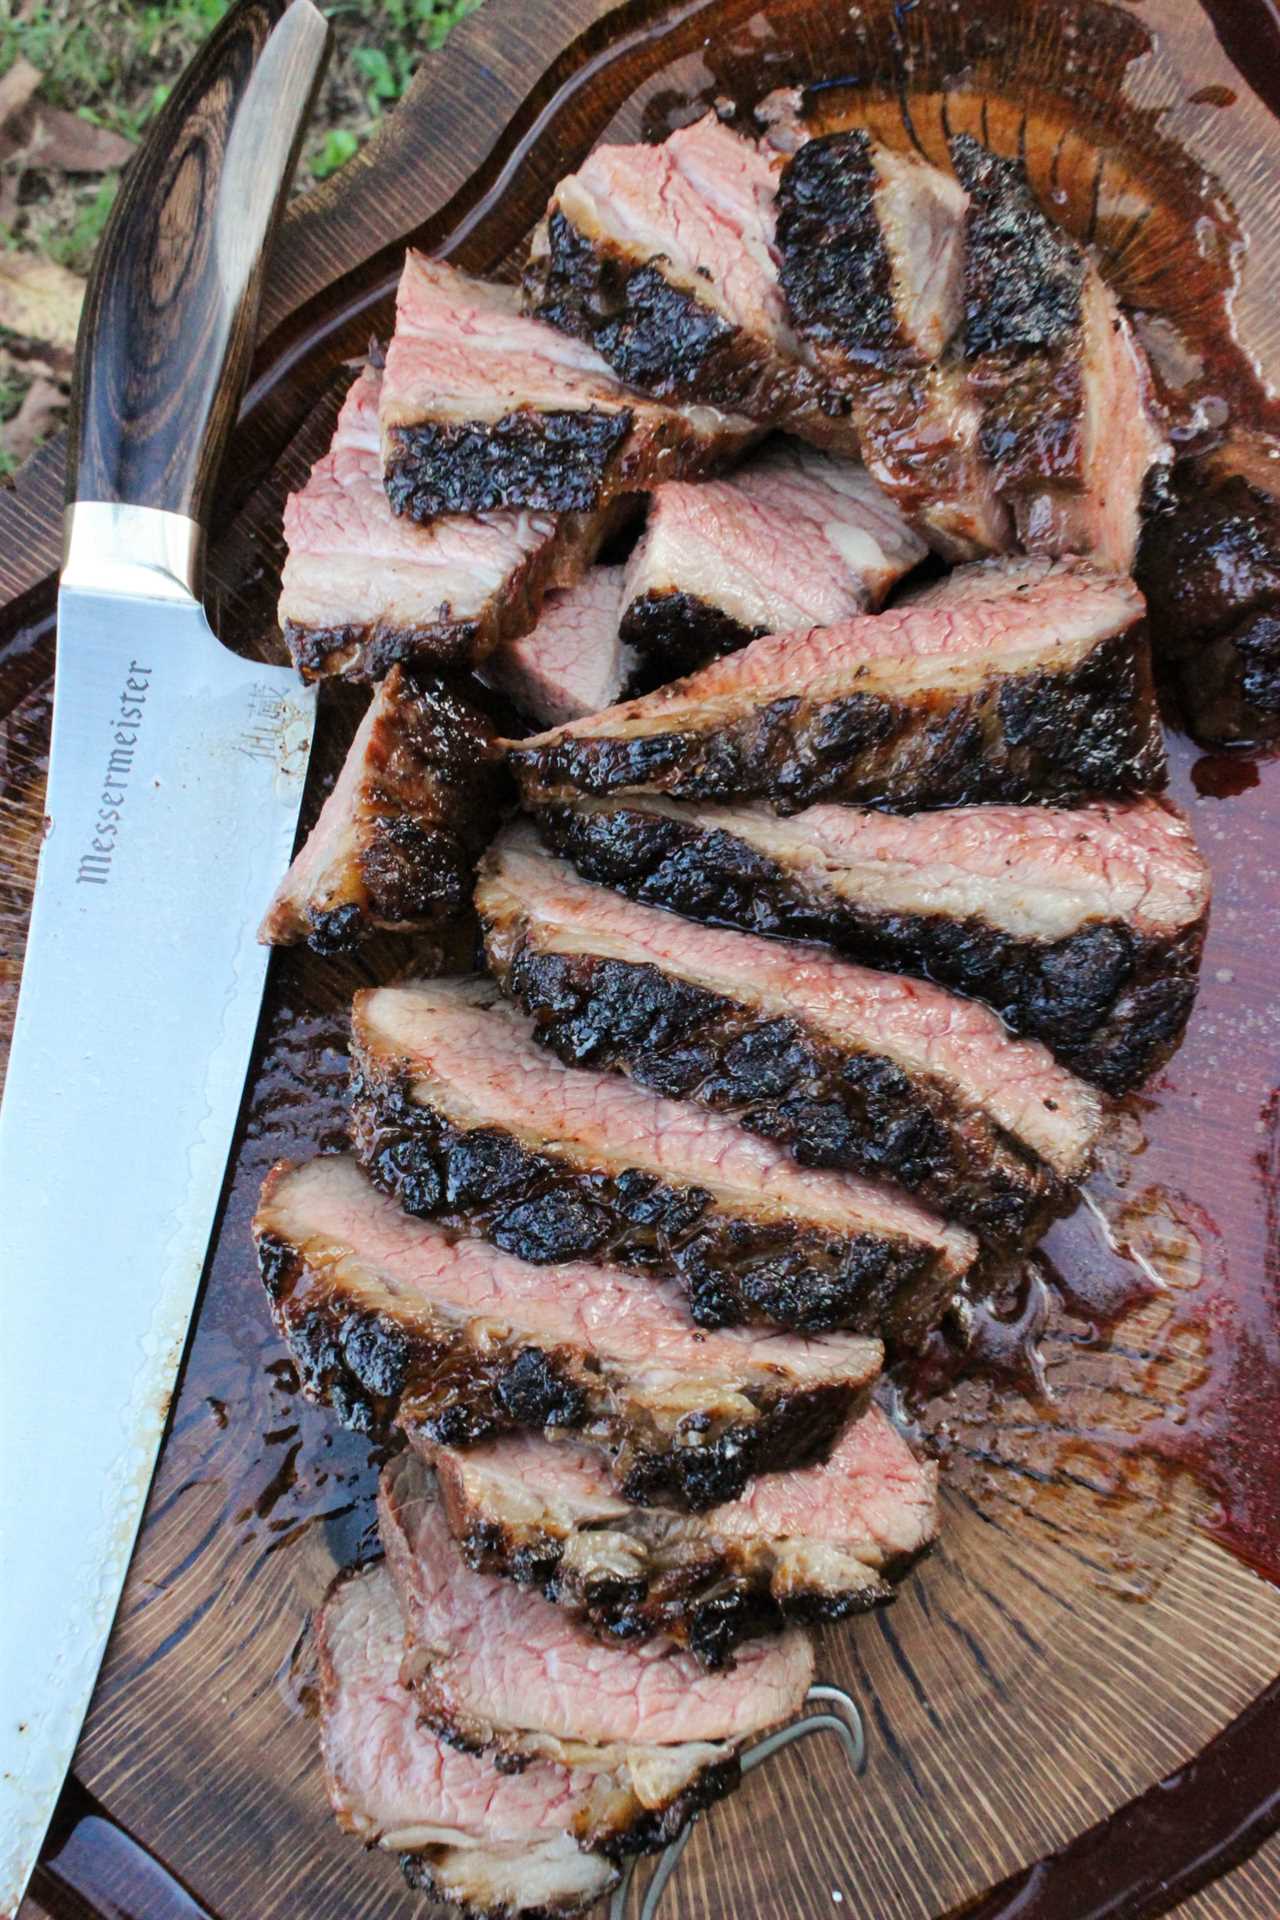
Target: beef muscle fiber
396, 841
1083, 927
491, 1844
573, 661
389, 1318
362, 589
465, 1119
483, 408
819, 1543
795, 538
662, 257
1018, 680
497, 1666
845, 1067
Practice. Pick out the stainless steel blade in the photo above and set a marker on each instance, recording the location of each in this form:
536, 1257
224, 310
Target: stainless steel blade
176, 775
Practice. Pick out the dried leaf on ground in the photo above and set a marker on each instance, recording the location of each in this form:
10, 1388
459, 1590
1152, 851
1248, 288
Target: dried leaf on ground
40, 300
43, 405
63, 140
16, 88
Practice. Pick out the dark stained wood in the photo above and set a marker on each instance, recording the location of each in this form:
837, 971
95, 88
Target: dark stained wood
1077, 1635
171, 308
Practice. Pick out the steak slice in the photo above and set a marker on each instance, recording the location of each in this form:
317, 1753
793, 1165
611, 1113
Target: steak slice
396, 843
1082, 927
818, 1544
483, 408
362, 589
1069, 419
872, 266
1209, 563
796, 538
846, 1068
663, 258
392, 1319
496, 1667
463, 1118
574, 661
1023, 681
489, 1843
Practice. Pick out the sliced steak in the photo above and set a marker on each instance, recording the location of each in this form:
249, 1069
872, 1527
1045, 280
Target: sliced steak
872, 252
417, 800
818, 1544
574, 661
663, 258
487, 1842
362, 589
1025, 681
1069, 421
1209, 563
498, 1667
796, 538
1082, 928
846, 1068
391, 1318
483, 408
458, 1112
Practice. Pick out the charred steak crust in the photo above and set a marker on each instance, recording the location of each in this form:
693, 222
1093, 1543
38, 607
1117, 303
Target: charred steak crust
832, 1106
835, 272
375, 1371
1110, 1002
677, 632
542, 1208
1024, 294
369, 653
1033, 736
556, 460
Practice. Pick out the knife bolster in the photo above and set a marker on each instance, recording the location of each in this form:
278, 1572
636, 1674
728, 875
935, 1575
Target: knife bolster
141, 551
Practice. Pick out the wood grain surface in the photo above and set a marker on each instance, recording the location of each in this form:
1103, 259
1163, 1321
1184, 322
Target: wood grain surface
1077, 1635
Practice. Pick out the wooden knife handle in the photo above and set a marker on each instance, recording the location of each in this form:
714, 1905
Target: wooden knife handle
170, 312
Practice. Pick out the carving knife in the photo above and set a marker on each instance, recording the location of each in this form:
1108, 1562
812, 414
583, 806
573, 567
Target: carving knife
175, 778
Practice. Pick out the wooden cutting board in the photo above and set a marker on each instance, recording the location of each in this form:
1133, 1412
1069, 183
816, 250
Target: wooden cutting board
1080, 1633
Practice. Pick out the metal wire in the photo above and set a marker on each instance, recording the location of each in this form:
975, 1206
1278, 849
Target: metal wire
845, 1723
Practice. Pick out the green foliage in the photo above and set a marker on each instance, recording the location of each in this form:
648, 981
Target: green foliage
334, 151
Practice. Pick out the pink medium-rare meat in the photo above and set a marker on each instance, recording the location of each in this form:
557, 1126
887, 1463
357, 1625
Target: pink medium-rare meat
1082, 927
1034, 685
492, 1844
574, 661
391, 1318
847, 1068
1069, 416
795, 538
498, 1666
663, 258
362, 589
872, 246
483, 408
395, 845
820, 1543
459, 1113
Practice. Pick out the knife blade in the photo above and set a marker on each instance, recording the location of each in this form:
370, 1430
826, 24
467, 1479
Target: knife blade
175, 778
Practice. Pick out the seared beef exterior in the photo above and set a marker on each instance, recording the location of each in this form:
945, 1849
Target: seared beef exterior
498, 1667
1082, 928
458, 1113
872, 250
1069, 419
362, 589
574, 661
796, 538
821, 1543
845, 1067
491, 1844
396, 842
662, 257
483, 408
1020, 680
389, 1318
1209, 563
